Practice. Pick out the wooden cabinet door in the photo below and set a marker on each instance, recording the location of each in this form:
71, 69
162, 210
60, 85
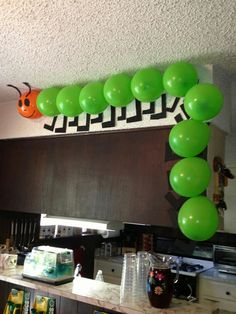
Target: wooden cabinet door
118, 176
113, 176
22, 173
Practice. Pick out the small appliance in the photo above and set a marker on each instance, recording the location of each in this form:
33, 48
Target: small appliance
49, 264
224, 258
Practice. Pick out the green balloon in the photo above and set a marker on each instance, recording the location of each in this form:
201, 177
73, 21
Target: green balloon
146, 85
198, 218
68, 101
91, 98
190, 176
178, 78
203, 102
189, 138
117, 90
46, 101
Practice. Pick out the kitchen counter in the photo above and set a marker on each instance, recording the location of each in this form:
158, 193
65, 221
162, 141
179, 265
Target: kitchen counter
98, 293
215, 275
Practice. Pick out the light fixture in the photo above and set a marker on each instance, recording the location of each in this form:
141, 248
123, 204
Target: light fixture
47, 220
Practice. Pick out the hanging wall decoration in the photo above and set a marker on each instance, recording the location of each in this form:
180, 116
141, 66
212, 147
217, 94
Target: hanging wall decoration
166, 110
148, 92
189, 177
105, 105
143, 93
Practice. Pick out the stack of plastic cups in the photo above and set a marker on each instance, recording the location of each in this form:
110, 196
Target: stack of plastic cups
142, 270
128, 279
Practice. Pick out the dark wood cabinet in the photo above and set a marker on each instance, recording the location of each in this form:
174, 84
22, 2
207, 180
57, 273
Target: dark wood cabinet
22, 175
120, 176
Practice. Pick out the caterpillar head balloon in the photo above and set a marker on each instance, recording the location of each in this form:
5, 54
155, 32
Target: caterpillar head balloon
26, 105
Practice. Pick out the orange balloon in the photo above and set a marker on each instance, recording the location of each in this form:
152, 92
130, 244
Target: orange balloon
27, 105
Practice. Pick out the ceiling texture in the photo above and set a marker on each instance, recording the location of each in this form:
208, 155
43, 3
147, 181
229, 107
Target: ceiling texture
60, 42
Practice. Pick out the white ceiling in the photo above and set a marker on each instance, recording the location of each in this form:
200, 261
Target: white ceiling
56, 42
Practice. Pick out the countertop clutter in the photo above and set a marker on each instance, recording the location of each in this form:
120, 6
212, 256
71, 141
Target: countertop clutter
100, 294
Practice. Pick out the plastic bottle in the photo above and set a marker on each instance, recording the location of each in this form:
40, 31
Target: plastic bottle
99, 276
78, 269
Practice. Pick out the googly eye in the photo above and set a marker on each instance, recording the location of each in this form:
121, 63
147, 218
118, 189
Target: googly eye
20, 103
27, 102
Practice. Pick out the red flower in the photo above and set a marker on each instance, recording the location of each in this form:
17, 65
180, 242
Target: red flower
160, 276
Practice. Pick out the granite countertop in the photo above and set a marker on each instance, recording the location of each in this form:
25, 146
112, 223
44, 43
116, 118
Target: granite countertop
214, 274
100, 294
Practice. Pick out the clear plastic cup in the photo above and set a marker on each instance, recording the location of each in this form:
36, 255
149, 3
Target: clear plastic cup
142, 269
128, 279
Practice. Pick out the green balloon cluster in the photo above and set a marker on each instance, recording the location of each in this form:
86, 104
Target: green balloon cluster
189, 177
119, 90
198, 218
202, 101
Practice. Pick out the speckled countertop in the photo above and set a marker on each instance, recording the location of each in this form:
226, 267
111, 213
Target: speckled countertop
215, 275
100, 294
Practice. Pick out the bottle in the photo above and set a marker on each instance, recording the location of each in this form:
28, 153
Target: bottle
78, 269
99, 276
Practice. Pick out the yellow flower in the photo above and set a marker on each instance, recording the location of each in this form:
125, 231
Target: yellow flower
158, 290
